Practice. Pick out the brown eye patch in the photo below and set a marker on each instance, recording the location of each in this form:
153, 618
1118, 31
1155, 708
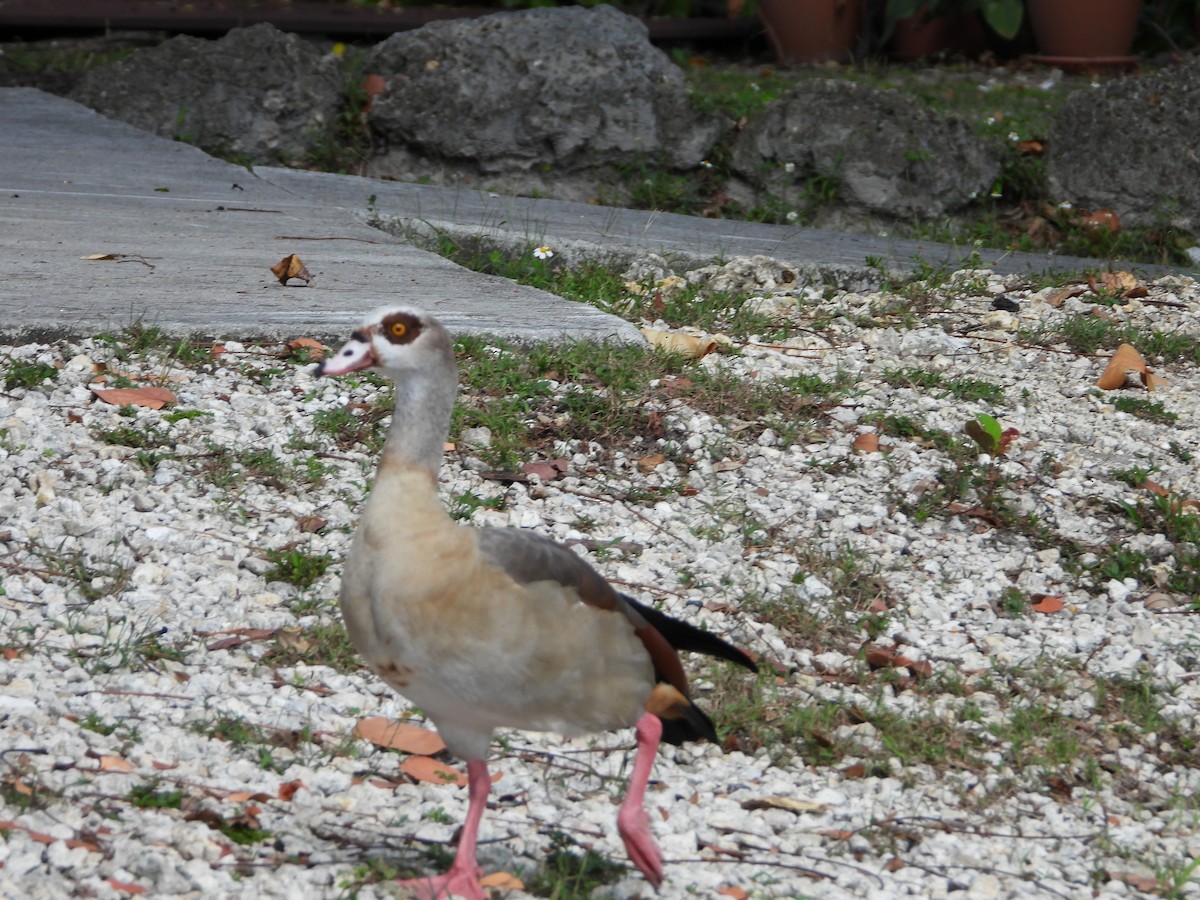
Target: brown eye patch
401, 328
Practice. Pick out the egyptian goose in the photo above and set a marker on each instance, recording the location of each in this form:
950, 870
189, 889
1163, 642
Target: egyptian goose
487, 628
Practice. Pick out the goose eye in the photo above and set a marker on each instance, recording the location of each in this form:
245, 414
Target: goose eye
398, 329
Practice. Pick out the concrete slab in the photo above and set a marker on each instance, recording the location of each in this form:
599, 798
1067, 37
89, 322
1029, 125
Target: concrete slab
617, 236
196, 239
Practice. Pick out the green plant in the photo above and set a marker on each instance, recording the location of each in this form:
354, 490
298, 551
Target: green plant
23, 374
965, 389
1002, 16
566, 875
148, 796
323, 644
296, 566
1150, 410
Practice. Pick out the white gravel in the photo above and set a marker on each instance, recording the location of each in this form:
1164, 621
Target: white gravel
172, 555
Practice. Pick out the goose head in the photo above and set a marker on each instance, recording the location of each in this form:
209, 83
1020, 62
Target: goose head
395, 340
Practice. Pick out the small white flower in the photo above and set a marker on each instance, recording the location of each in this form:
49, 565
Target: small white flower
1066, 204
1013, 136
705, 164
1095, 84
789, 167
992, 120
997, 194
754, 86
792, 215
543, 252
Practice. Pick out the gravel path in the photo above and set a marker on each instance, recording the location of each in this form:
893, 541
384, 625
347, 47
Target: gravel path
165, 730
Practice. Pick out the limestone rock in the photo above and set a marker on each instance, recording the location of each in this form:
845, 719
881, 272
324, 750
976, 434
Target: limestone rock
570, 88
257, 93
876, 150
1130, 146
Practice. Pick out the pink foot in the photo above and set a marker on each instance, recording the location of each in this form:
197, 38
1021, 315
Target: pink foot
463, 878
632, 823
442, 887
634, 827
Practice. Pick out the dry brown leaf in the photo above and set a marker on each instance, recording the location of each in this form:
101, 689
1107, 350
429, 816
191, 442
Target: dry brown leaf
316, 349
149, 397
1048, 604
293, 639
291, 267
688, 345
242, 636
1147, 884
650, 462
789, 803
125, 887
1154, 488
504, 881
115, 764
895, 864
1125, 359
245, 796
731, 890
1056, 298
1119, 281
372, 85
547, 470
423, 768
867, 443
385, 732
1101, 222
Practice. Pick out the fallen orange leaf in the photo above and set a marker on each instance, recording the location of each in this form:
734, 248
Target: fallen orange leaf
650, 462
1124, 359
504, 881
688, 345
125, 886
115, 764
384, 732
291, 267
867, 443
318, 349
1100, 222
423, 768
733, 891
1154, 487
149, 397
1049, 604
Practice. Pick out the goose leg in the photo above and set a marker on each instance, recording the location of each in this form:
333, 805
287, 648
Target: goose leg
632, 822
462, 880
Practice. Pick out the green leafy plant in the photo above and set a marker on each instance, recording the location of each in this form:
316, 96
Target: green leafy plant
1002, 16
985, 431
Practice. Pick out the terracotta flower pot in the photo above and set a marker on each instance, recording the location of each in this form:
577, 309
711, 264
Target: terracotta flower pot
804, 31
1084, 29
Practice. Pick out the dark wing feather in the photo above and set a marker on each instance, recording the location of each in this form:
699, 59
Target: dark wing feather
683, 636
528, 557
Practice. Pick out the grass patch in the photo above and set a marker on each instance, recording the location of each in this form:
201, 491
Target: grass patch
297, 567
1149, 410
324, 644
27, 374
566, 873
148, 796
965, 389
